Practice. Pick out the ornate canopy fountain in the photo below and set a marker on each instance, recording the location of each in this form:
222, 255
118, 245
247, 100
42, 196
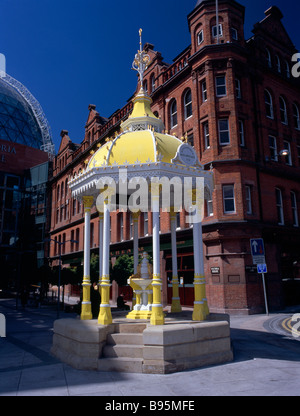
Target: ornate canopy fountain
136, 165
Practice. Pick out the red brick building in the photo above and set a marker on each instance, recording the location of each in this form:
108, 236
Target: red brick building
237, 102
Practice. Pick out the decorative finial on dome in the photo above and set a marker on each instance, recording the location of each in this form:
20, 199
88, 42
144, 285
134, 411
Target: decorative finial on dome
141, 60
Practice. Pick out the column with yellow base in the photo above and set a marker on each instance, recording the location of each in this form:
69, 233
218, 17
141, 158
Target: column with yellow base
157, 315
200, 304
135, 217
86, 306
200, 311
105, 317
100, 249
175, 307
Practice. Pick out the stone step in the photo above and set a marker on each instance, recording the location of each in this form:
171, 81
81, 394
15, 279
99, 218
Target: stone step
132, 328
125, 339
121, 364
128, 351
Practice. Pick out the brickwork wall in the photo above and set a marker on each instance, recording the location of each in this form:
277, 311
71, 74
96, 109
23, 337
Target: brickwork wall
247, 164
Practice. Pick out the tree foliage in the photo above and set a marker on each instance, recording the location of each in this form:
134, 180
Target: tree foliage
122, 269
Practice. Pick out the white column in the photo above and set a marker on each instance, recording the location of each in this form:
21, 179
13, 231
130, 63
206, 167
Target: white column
200, 303
135, 217
105, 317
100, 247
86, 309
175, 307
157, 316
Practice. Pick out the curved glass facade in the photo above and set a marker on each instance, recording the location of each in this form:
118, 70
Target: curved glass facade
17, 121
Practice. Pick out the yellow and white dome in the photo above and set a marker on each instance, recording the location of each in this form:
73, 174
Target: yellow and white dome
142, 139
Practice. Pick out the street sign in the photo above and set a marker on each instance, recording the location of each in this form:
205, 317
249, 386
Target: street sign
259, 260
257, 250
262, 268
257, 247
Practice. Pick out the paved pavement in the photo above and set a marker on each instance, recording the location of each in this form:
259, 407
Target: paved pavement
266, 363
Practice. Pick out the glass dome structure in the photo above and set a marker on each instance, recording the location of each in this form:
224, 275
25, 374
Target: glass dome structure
21, 117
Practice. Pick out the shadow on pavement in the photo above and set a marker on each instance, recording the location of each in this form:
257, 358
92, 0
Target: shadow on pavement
249, 344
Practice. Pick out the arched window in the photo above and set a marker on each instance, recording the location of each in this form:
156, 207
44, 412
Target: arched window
278, 65
269, 59
188, 107
57, 193
173, 113
269, 104
296, 117
145, 86
283, 113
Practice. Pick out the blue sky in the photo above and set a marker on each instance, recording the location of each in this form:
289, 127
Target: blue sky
72, 53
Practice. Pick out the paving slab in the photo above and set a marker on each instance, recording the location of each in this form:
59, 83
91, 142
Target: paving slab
266, 363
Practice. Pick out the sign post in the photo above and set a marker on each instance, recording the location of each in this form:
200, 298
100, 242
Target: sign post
258, 256
262, 269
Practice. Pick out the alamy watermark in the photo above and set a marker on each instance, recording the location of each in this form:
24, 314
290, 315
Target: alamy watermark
296, 326
2, 326
135, 195
296, 67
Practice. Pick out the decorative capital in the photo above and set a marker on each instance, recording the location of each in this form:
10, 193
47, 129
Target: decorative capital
88, 202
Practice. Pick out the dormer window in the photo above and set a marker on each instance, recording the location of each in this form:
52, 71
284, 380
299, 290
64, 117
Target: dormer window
200, 37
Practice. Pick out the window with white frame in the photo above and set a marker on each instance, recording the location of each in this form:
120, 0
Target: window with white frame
200, 37
279, 206
188, 104
269, 59
209, 207
224, 134
206, 135
283, 112
296, 116
242, 133
288, 157
221, 86
273, 148
204, 91
152, 83
294, 209
248, 200
238, 91
228, 199
269, 104
173, 113
215, 32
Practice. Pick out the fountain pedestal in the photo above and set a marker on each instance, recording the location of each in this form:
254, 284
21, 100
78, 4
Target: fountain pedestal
141, 283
